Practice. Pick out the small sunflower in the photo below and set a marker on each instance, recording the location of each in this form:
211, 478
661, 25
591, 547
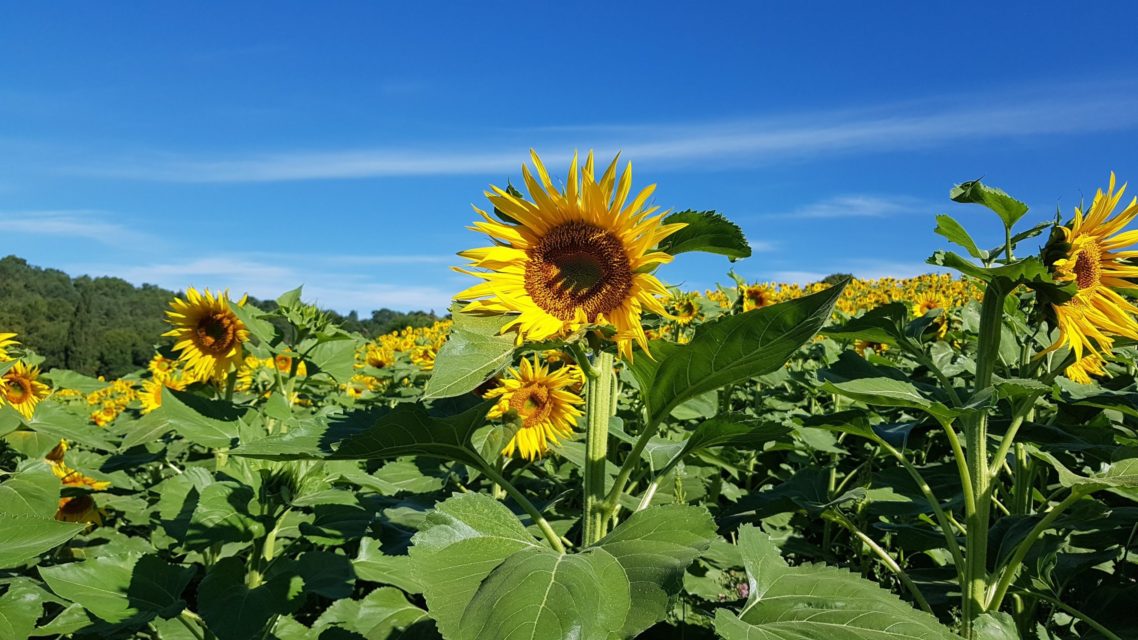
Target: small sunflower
757, 296
861, 346
573, 258
209, 337
543, 403
79, 509
1090, 255
151, 395
21, 388
685, 310
6, 340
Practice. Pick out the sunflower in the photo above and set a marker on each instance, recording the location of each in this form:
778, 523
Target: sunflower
6, 340
543, 404
571, 258
1089, 254
79, 509
757, 296
685, 310
160, 366
21, 388
209, 336
861, 346
151, 395
929, 301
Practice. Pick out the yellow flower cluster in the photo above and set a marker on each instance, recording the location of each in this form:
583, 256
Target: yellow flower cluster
419, 346
111, 401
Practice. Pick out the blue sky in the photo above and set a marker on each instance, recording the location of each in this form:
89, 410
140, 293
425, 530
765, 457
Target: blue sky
340, 145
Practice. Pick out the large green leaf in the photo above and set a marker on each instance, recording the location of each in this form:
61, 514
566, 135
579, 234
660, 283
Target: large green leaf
406, 430
461, 542
655, 547
200, 512
232, 610
20, 607
975, 192
119, 587
888, 392
337, 358
537, 593
384, 614
28, 502
473, 352
60, 423
373, 565
884, 324
817, 601
190, 422
705, 231
730, 350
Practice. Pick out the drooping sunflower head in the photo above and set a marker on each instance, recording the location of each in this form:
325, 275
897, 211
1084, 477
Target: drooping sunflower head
6, 340
209, 337
565, 259
1092, 252
542, 403
82, 508
21, 388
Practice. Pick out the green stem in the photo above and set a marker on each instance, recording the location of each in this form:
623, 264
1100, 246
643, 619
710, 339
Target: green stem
194, 623
598, 412
976, 451
945, 524
1073, 612
1009, 573
612, 501
885, 558
534, 513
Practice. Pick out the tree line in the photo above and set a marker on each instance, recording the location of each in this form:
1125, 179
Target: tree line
109, 327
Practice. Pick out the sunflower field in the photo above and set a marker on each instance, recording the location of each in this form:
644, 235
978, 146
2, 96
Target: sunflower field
583, 452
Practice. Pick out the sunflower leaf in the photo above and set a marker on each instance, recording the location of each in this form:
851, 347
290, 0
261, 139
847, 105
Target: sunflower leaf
28, 501
730, 350
473, 352
952, 230
1008, 208
706, 231
817, 601
122, 587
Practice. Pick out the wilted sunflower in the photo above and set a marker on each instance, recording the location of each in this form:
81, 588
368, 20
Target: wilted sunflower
543, 404
21, 388
210, 337
571, 258
1089, 254
6, 340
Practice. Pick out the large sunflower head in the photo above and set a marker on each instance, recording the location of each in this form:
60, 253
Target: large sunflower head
541, 402
565, 259
21, 388
1090, 253
209, 337
6, 340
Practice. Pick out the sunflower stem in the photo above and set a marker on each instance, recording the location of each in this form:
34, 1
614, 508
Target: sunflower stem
534, 513
598, 412
976, 452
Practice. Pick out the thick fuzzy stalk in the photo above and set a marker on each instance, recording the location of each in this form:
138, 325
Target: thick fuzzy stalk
598, 411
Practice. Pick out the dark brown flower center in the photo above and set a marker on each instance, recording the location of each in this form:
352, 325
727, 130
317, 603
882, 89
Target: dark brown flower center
217, 333
756, 297
532, 404
1088, 266
578, 266
18, 389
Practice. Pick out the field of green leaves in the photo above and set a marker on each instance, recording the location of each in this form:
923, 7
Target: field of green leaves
583, 453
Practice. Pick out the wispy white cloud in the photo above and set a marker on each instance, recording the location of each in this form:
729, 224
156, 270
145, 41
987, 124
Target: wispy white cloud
90, 224
855, 206
705, 144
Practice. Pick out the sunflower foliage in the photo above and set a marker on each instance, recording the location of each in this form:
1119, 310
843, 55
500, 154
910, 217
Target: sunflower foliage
581, 451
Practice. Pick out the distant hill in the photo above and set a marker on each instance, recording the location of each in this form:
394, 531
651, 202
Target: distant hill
107, 326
